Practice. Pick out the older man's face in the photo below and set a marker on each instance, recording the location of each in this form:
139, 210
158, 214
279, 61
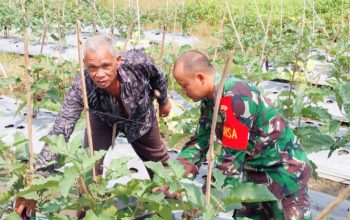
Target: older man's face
102, 66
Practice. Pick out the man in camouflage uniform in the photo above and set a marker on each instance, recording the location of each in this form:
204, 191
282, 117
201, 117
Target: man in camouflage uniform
258, 145
120, 90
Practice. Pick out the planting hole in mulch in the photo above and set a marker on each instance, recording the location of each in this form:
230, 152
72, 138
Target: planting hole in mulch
133, 170
343, 152
9, 126
20, 127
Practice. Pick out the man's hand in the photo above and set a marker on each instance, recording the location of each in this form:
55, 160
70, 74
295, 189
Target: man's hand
165, 190
164, 109
25, 207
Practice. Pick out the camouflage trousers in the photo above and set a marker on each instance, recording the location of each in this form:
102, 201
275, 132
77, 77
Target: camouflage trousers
293, 207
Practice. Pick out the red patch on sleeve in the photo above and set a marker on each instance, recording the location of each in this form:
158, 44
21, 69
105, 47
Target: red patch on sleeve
235, 133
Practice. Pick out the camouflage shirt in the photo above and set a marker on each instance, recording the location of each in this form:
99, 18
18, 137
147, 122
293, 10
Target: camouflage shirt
139, 77
272, 157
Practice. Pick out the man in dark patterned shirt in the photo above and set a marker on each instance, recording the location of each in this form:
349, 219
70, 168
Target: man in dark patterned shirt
120, 90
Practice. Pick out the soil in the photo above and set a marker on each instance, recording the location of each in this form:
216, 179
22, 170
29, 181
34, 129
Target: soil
326, 186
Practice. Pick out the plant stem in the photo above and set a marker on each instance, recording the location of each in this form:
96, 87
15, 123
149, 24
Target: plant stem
211, 155
296, 60
85, 99
28, 90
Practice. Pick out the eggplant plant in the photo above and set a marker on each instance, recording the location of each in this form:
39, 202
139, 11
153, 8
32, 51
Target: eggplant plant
60, 190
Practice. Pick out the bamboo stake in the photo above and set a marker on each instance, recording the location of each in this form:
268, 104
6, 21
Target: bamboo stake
83, 88
343, 194
162, 47
234, 28
223, 18
266, 37
259, 16
128, 37
174, 25
113, 17
213, 126
281, 18
5, 74
96, 12
313, 18
29, 92
318, 18
45, 27
138, 22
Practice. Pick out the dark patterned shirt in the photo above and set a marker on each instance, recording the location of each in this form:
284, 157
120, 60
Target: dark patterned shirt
139, 77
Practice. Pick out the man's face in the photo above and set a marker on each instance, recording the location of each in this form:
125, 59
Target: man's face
102, 66
192, 84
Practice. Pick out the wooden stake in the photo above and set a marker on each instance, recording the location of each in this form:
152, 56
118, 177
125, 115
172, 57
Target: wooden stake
138, 22
45, 27
213, 126
262, 57
174, 25
29, 92
128, 37
259, 16
234, 28
162, 47
281, 18
85, 99
113, 17
343, 194
5, 74
96, 12
223, 18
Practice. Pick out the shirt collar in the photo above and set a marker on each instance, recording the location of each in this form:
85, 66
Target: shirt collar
123, 74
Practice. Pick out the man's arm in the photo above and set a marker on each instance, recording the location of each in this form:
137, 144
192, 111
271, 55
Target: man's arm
195, 150
64, 123
157, 79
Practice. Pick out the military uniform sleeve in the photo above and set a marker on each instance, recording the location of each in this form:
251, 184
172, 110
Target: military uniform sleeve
64, 122
194, 152
156, 77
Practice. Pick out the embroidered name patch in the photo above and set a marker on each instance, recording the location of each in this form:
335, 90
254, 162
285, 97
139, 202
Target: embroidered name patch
235, 133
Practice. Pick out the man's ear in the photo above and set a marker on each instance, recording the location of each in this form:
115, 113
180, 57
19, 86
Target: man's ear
201, 77
118, 59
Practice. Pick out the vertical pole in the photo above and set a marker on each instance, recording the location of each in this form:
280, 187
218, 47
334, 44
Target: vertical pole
213, 125
45, 27
234, 28
28, 90
83, 88
113, 17
138, 22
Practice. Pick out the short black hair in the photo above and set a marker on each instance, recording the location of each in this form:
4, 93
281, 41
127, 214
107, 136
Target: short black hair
193, 61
